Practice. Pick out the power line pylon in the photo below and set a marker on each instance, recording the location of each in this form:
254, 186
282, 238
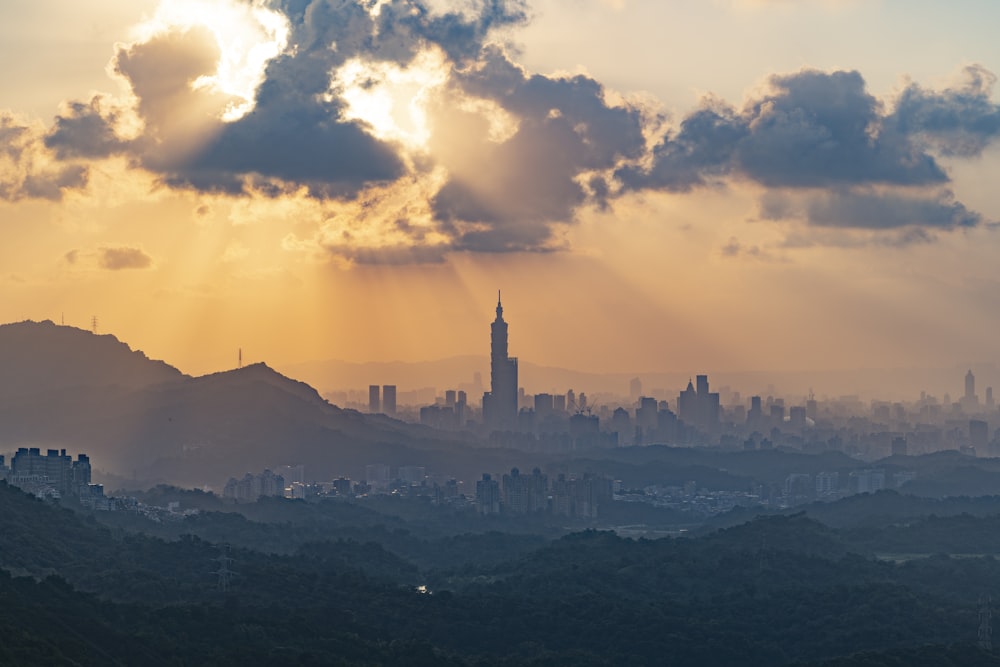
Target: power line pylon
985, 623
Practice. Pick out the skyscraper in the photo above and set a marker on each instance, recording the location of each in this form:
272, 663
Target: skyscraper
389, 399
500, 403
374, 405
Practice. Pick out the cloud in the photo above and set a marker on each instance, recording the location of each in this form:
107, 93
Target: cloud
506, 195
27, 168
503, 159
814, 129
870, 209
702, 150
959, 121
119, 258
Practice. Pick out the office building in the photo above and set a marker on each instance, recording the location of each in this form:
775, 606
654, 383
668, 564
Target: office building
500, 403
388, 399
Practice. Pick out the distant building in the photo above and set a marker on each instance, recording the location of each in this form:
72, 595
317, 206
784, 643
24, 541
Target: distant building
412, 474
500, 403
979, 434
388, 399
827, 484
252, 487
377, 476
525, 494
635, 388
374, 404
54, 475
296, 473
487, 495
580, 498
969, 402
699, 407
867, 481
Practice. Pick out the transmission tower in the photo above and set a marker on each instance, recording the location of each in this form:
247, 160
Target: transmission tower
985, 623
224, 574
93, 324
762, 554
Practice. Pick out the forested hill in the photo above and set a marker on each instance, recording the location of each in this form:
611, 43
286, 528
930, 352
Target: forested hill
776, 591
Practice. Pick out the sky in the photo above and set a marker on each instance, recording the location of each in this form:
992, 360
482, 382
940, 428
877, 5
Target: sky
693, 185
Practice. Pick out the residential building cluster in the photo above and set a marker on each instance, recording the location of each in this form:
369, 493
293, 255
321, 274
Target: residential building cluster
253, 486
54, 475
518, 494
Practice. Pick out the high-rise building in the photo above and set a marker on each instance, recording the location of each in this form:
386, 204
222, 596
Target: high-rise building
635, 389
487, 495
970, 402
699, 407
388, 399
979, 434
500, 403
374, 405
523, 494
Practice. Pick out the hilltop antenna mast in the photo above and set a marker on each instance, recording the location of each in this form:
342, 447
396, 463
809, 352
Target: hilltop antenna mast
985, 623
93, 324
239, 358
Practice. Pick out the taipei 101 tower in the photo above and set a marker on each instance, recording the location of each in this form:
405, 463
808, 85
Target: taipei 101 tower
500, 403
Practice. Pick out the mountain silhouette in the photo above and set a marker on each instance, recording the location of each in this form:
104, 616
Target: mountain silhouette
63, 387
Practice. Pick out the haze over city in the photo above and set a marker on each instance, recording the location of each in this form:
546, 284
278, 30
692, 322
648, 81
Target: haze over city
679, 187
483, 333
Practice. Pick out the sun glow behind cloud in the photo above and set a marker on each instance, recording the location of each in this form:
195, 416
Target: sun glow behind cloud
391, 99
248, 36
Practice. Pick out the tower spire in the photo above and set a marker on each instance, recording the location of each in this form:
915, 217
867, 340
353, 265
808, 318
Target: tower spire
499, 307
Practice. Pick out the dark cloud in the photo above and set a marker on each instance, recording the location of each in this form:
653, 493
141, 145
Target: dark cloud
703, 148
461, 35
85, 131
823, 129
389, 255
294, 136
53, 184
815, 129
122, 257
24, 165
513, 191
871, 210
956, 121
564, 145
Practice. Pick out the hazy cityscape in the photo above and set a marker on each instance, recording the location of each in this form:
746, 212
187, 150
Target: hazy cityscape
496, 333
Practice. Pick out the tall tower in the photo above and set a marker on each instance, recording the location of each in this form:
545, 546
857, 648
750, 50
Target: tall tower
970, 385
500, 403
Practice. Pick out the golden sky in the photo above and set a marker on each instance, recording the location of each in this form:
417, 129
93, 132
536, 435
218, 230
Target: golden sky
691, 185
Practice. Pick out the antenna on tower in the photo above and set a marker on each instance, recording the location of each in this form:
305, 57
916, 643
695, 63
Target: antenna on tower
239, 358
93, 324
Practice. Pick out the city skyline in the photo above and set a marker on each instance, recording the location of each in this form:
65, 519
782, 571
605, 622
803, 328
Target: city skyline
772, 186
